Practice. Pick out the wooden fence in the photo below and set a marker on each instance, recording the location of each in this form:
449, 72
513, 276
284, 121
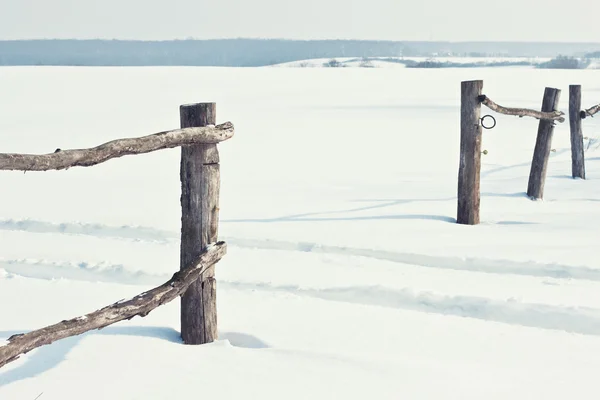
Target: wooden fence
200, 182
471, 129
200, 249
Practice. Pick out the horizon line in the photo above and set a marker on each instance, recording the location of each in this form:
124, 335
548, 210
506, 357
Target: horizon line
191, 39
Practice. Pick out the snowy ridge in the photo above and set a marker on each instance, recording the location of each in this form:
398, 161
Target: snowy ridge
97, 230
571, 319
78, 271
492, 266
575, 319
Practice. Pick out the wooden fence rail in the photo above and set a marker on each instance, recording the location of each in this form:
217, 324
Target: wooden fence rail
65, 159
469, 170
522, 112
140, 305
200, 249
590, 112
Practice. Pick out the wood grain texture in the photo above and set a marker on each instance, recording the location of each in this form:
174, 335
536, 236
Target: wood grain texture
64, 159
470, 154
522, 112
543, 146
140, 305
200, 187
577, 149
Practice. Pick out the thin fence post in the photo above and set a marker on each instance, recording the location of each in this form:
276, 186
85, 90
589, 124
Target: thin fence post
543, 146
470, 153
200, 186
577, 153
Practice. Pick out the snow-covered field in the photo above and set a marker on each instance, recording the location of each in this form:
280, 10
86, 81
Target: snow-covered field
346, 275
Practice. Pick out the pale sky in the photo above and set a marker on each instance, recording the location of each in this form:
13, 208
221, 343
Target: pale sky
451, 20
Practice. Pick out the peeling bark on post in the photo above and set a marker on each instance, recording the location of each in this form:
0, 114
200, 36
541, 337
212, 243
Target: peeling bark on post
470, 153
543, 146
577, 153
200, 186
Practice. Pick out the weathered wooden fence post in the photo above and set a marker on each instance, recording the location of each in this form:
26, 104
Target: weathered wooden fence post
470, 153
200, 186
577, 153
543, 146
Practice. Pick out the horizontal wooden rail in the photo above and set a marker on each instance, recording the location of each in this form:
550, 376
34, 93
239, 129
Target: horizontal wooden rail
590, 111
522, 112
64, 159
140, 305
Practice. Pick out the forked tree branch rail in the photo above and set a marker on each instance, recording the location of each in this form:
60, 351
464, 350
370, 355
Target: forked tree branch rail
140, 305
522, 112
64, 159
590, 111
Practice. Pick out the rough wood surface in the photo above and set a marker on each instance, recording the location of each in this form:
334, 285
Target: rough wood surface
543, 146
577, 149
470, 154
140, 305
200, 185
64, 159
522, 112
590, 111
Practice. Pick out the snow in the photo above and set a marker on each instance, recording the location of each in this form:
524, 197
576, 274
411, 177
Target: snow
346, 275
393, 62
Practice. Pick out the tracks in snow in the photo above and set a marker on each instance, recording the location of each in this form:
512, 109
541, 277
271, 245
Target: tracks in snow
137, 233
582, 320
79, 271
492, 266
571, 319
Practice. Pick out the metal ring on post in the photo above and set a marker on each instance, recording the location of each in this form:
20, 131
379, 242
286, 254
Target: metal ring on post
488, 116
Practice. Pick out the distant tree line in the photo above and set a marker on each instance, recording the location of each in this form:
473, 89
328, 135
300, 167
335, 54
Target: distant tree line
429, 63
234, 52
565, 62
254, 52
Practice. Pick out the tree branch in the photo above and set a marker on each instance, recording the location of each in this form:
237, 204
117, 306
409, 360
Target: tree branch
590, 111
64, 159
522, 112
140, 305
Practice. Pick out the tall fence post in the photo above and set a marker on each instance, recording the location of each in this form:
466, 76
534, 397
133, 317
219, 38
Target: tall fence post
543, 146
470, 153
577, 153
200, 186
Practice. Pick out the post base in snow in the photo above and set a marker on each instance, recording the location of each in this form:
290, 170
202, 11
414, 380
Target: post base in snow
199, 312
140, 305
